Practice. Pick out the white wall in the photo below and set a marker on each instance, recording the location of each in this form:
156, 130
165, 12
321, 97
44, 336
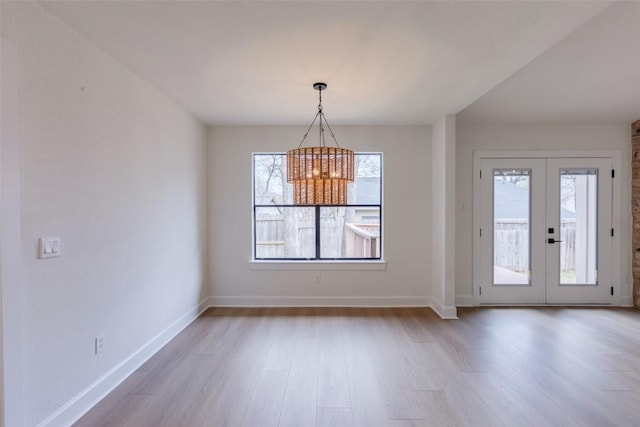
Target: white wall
473, 137
406, 218
443, 208
117, 170
12, 295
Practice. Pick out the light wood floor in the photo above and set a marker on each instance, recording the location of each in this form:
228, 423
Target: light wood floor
388, 367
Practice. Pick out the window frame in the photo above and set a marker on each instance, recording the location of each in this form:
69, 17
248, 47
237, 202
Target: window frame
317, 260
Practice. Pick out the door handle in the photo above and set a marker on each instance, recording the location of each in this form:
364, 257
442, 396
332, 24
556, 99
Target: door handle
552, 240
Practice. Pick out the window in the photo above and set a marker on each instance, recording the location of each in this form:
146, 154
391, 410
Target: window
284, 231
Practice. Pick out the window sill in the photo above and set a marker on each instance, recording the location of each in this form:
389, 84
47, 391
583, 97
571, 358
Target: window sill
319, 265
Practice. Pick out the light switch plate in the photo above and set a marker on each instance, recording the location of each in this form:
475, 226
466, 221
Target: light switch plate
49, 247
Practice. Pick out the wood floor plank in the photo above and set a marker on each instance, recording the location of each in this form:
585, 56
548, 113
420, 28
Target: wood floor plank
283, 326
332, 387
104, 412
133, 411
440, 413
300, 401
354, 334
335, 417
414, 323
368, 405
235, 390
388, 367
266, 403
624, 407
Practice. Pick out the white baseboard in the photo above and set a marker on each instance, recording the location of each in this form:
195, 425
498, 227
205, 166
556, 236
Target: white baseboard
295, 301
71, 411
467, 301
445, 312
626, 301
464, 300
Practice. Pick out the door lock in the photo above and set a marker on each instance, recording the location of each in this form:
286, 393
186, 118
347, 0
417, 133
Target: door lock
552, 240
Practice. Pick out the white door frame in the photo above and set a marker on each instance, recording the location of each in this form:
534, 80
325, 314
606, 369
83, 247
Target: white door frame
616, 159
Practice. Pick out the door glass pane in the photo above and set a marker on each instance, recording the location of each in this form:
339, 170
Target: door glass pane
511, 226
578, 226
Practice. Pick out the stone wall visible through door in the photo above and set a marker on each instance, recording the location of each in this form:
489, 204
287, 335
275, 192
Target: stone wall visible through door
635, 203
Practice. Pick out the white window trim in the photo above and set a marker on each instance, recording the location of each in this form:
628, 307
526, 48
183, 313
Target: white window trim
321, 265
332, 265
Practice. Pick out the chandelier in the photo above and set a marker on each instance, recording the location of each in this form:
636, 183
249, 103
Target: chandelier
320, 174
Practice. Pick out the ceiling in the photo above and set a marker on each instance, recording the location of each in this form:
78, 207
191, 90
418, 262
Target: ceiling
592, 76
391, 63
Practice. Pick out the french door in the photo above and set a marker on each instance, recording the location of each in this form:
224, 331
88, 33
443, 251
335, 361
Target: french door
545, 231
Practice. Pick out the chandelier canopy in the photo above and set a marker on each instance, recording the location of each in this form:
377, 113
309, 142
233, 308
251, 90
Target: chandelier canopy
320, 174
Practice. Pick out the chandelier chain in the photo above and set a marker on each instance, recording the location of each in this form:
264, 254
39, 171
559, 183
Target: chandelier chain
321, 116
308, 130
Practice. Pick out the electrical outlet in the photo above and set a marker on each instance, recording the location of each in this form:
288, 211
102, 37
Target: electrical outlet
99, 347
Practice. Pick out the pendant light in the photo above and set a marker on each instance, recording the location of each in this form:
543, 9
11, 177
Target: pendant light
320, 174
